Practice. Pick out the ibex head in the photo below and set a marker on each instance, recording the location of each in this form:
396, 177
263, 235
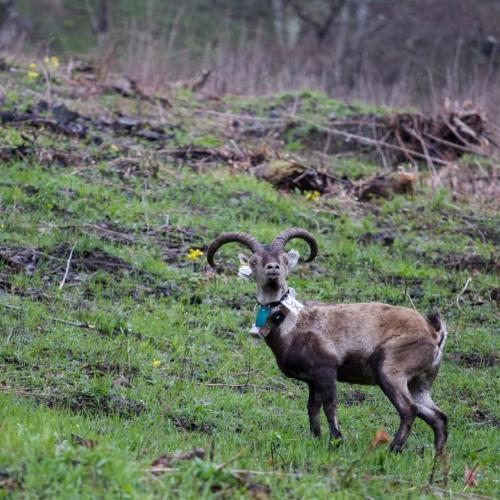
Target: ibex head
270, 264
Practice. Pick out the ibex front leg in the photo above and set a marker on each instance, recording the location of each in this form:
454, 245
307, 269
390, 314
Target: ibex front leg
313, 408
325, 383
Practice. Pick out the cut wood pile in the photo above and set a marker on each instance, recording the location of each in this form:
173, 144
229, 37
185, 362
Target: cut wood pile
444, 138
401, 138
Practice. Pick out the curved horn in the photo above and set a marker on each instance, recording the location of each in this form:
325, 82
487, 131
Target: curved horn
244, 238
284, 237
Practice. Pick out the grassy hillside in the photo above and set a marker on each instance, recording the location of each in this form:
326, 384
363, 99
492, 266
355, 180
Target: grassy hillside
116, 348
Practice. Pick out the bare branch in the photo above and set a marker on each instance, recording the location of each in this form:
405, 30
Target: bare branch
320, 27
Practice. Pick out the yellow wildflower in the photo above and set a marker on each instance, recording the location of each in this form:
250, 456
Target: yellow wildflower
32, 74
33, 66
312, 195
156, 363
194, 254
53, 62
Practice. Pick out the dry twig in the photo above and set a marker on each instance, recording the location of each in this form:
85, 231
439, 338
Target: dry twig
68, 263
462, 292
53, 319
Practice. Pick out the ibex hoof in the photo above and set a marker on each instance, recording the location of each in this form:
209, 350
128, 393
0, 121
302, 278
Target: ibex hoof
395, 447
335, 442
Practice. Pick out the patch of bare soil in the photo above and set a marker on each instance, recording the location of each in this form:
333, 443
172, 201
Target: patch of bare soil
91, 261
189, 425
484, 417
354, 397
53, 157
111, 232
476, 299
241, 478
58, 119
83, 263
495, 295
7, 287
19, 259
401, 281
175, 242
128, 289
105, 404
164, 462
85, 442
478, 227
473, 359
14, 361
85, 402
110, 368
471, 262
27, 259
163, 290
10, 481
384, 238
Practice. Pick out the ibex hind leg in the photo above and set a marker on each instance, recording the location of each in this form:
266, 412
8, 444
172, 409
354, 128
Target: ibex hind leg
427, 410
396, 389
402, 360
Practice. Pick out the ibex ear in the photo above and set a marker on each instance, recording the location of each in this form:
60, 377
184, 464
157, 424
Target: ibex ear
244, 260
244, 271
293, 258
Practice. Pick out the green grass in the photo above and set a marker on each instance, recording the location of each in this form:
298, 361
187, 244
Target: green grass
57, 379
145, 353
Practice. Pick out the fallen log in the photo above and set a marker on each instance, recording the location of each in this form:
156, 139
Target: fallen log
386, 185
291, 175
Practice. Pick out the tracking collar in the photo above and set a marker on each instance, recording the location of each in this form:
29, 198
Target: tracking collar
265, 310
273, 314
275, 303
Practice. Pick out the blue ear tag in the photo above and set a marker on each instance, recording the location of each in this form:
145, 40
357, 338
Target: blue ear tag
262, 315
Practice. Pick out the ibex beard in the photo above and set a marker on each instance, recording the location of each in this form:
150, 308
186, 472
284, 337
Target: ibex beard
393, 347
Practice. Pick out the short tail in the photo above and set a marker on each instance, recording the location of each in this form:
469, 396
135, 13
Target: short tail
439, 326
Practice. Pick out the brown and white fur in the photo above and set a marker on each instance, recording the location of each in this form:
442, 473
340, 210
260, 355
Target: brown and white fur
365, 343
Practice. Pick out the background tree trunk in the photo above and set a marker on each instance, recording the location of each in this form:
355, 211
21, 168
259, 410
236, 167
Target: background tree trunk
103, 17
